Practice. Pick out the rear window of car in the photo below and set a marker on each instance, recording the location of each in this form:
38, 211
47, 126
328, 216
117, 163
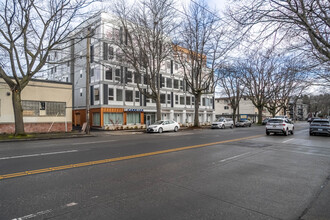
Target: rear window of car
275, 121
320, 122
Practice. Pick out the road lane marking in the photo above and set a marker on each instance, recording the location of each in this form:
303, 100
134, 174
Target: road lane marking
288, 140
109, 160
36, 155
71, 204
93, 142
34, 215
230, 158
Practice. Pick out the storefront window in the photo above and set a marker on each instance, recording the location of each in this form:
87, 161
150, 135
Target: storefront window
113, 118
96, 119
133, 118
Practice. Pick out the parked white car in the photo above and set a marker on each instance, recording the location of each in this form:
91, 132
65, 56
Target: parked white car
279, 125
223, 123
163, 125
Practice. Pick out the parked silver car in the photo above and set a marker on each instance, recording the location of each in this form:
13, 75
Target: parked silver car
319, 126
223, 123
163, 125
243, 123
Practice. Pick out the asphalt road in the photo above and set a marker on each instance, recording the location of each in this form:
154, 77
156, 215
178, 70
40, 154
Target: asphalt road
195, 174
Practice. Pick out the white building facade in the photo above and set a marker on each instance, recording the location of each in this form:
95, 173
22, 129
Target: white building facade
114, 96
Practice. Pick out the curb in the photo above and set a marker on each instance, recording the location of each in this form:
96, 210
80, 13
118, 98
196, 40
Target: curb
47, 138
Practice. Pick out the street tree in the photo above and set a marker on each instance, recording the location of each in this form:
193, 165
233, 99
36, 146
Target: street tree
30, 30
230, 81
301, 25
202, 41
145, 45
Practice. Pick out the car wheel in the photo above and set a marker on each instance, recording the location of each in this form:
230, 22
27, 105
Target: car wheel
292, 132
160, 130
223, 126
286, 132
175, 129
250, 125
267, 132
310, 134
231, 126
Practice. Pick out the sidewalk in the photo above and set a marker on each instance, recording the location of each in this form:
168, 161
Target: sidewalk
43, 136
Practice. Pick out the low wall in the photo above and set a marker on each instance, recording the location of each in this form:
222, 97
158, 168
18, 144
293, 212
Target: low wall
37, 127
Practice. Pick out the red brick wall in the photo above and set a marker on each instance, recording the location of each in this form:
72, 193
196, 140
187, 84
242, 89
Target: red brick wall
36, 127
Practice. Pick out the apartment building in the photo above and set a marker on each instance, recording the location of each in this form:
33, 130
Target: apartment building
114, 96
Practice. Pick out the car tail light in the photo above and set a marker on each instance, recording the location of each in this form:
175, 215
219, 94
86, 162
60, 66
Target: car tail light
283, 124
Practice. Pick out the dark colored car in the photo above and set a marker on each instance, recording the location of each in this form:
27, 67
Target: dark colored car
264, 122
243, 123
319, 126
310, 120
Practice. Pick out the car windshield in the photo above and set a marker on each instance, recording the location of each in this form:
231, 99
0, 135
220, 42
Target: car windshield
158, 122
221, 119
315, 122
242, 120
275, 121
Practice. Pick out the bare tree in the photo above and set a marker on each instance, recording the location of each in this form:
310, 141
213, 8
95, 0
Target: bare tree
146, 45
230, 81
202, 41
288, 80
303, 24
30, 30
257, 71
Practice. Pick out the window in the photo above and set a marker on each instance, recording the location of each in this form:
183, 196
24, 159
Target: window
188, 100
137, 96
33, 108
137, 78
169, 83
128, 76
168, 98
162, 98
112, 118
203, 102
92, 72
81, 91
145, 80
129, 95
55, 108
96, 119
111, 53
80, 74
111, 94
105, 51
176, 66
96, 94
162, 81
176, 99
193, 100
92, 53
226, 107
181, 84
42, 106
108, 74
172, 67
119, 95
30, 108
181, 100
118, 76
176, 84
133, 118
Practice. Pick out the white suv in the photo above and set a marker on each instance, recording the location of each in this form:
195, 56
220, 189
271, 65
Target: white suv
223, 123
279, 125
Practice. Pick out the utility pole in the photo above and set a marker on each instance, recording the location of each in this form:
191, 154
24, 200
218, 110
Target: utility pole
87, 79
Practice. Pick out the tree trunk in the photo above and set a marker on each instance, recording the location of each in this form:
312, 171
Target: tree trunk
234, 115
260, 114
159, 109
196, 116
18, 112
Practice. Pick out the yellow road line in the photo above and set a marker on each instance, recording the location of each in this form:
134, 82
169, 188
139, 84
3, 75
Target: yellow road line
90, 163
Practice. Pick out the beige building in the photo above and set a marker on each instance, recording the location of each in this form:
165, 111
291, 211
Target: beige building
246, 109
46, 107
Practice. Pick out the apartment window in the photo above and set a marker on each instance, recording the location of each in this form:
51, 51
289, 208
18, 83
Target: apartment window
188, 100
81, 92
168, 98
162, 81
177, 99
137, 96
96, 94
181, 84
162, 98
119, 95
111, 94
203, 102
193, 100
108, 74
145, 80
92, 53
176, 84
111, 53
119, 55
105, 51
92, 72
129, 95
226, 107
137, 78
172, 67
169, 83
181, 100
169, 65
118, 75
80, 74
128, 77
